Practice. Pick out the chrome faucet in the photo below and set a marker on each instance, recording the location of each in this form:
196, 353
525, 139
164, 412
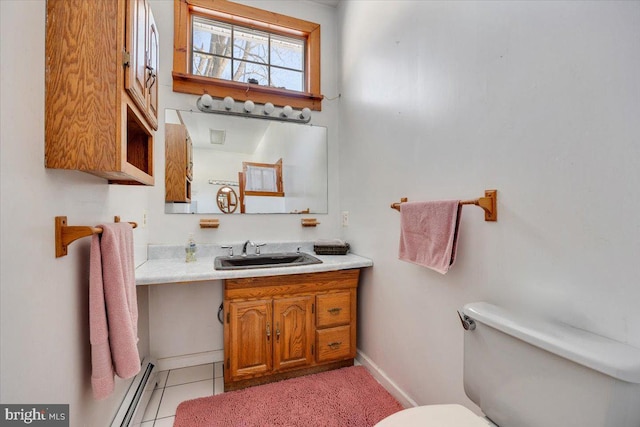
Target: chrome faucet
244, 247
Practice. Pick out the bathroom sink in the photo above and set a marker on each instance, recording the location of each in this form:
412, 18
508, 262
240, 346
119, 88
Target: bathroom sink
282, 259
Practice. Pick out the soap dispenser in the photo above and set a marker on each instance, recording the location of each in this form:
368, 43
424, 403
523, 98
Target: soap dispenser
191, 248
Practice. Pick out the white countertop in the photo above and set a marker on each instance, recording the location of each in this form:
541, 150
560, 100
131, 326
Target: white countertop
176, 270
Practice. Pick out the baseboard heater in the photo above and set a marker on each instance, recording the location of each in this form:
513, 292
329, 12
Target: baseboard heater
135, 401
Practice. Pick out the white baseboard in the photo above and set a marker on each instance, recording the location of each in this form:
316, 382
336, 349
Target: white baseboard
385, 381
194, 359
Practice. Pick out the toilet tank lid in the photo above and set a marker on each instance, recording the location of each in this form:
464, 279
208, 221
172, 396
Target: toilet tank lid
613, 358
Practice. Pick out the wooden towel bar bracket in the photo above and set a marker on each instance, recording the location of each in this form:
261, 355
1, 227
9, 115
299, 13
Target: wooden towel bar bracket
310, 222
489, 203
66, 234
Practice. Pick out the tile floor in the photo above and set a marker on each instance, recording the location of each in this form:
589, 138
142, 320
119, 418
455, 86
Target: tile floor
177, 385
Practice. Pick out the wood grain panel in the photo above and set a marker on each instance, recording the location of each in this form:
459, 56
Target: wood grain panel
333, 309
250, 339
293, 332
254, 287
176, 164
80, 81
333, 343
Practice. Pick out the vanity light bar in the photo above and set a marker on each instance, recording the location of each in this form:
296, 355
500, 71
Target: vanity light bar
206, 104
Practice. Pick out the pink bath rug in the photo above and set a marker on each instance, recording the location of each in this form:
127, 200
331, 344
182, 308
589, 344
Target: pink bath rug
347, 397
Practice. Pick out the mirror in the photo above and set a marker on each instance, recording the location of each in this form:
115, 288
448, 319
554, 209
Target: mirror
227, 199
245, 165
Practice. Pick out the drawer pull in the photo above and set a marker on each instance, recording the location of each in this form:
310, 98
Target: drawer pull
334, 345
335, 310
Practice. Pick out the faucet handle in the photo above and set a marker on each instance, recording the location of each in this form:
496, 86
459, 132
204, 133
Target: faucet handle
230, 249
258, 247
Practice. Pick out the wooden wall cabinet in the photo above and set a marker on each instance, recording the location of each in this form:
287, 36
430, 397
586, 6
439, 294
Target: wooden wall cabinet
92, 122
281, 327
178, 164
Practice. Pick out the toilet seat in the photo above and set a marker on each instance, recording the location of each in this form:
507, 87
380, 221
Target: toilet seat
435, 416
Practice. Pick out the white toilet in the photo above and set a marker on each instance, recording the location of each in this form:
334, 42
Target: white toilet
529, 372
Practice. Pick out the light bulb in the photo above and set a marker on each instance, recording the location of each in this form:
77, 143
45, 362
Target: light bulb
228, 102
206, 100
287, 110
249, 106
268, 108
305, 114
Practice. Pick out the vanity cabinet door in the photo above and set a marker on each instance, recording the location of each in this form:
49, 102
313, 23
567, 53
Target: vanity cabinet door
293, 320
251, 337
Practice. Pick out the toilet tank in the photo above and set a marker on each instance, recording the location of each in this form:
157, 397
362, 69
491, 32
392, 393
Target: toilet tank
524, 371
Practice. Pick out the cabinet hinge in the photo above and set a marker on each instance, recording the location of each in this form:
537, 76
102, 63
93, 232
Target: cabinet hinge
312, 349
313, 308
228, 317
126, 58
228, 363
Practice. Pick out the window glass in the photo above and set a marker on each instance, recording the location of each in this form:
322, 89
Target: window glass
287, 52
244, 71
232, 52
250, 45
287, 79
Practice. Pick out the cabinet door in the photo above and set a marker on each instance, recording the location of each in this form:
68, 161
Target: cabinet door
136, 45
250, 339
177, 186
189, 157
293, 332
152, 70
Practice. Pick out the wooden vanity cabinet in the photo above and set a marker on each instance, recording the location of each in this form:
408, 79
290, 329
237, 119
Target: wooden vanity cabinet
178, 165
92, 122
279, 327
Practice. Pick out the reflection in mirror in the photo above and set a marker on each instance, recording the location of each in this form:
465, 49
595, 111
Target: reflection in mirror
270, 166
227, 200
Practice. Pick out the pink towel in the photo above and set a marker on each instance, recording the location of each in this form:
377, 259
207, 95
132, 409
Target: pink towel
113, 308
429, 233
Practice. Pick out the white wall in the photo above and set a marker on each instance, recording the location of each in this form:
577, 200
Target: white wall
539, 100
44, 350
45, 356
173, 307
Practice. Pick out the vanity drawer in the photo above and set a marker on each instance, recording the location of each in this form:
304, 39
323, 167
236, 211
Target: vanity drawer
333, 309
333, 343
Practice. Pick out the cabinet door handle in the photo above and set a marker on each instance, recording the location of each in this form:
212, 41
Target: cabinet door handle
152, 75
334, 345
268, 331
334, 310
278, 331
